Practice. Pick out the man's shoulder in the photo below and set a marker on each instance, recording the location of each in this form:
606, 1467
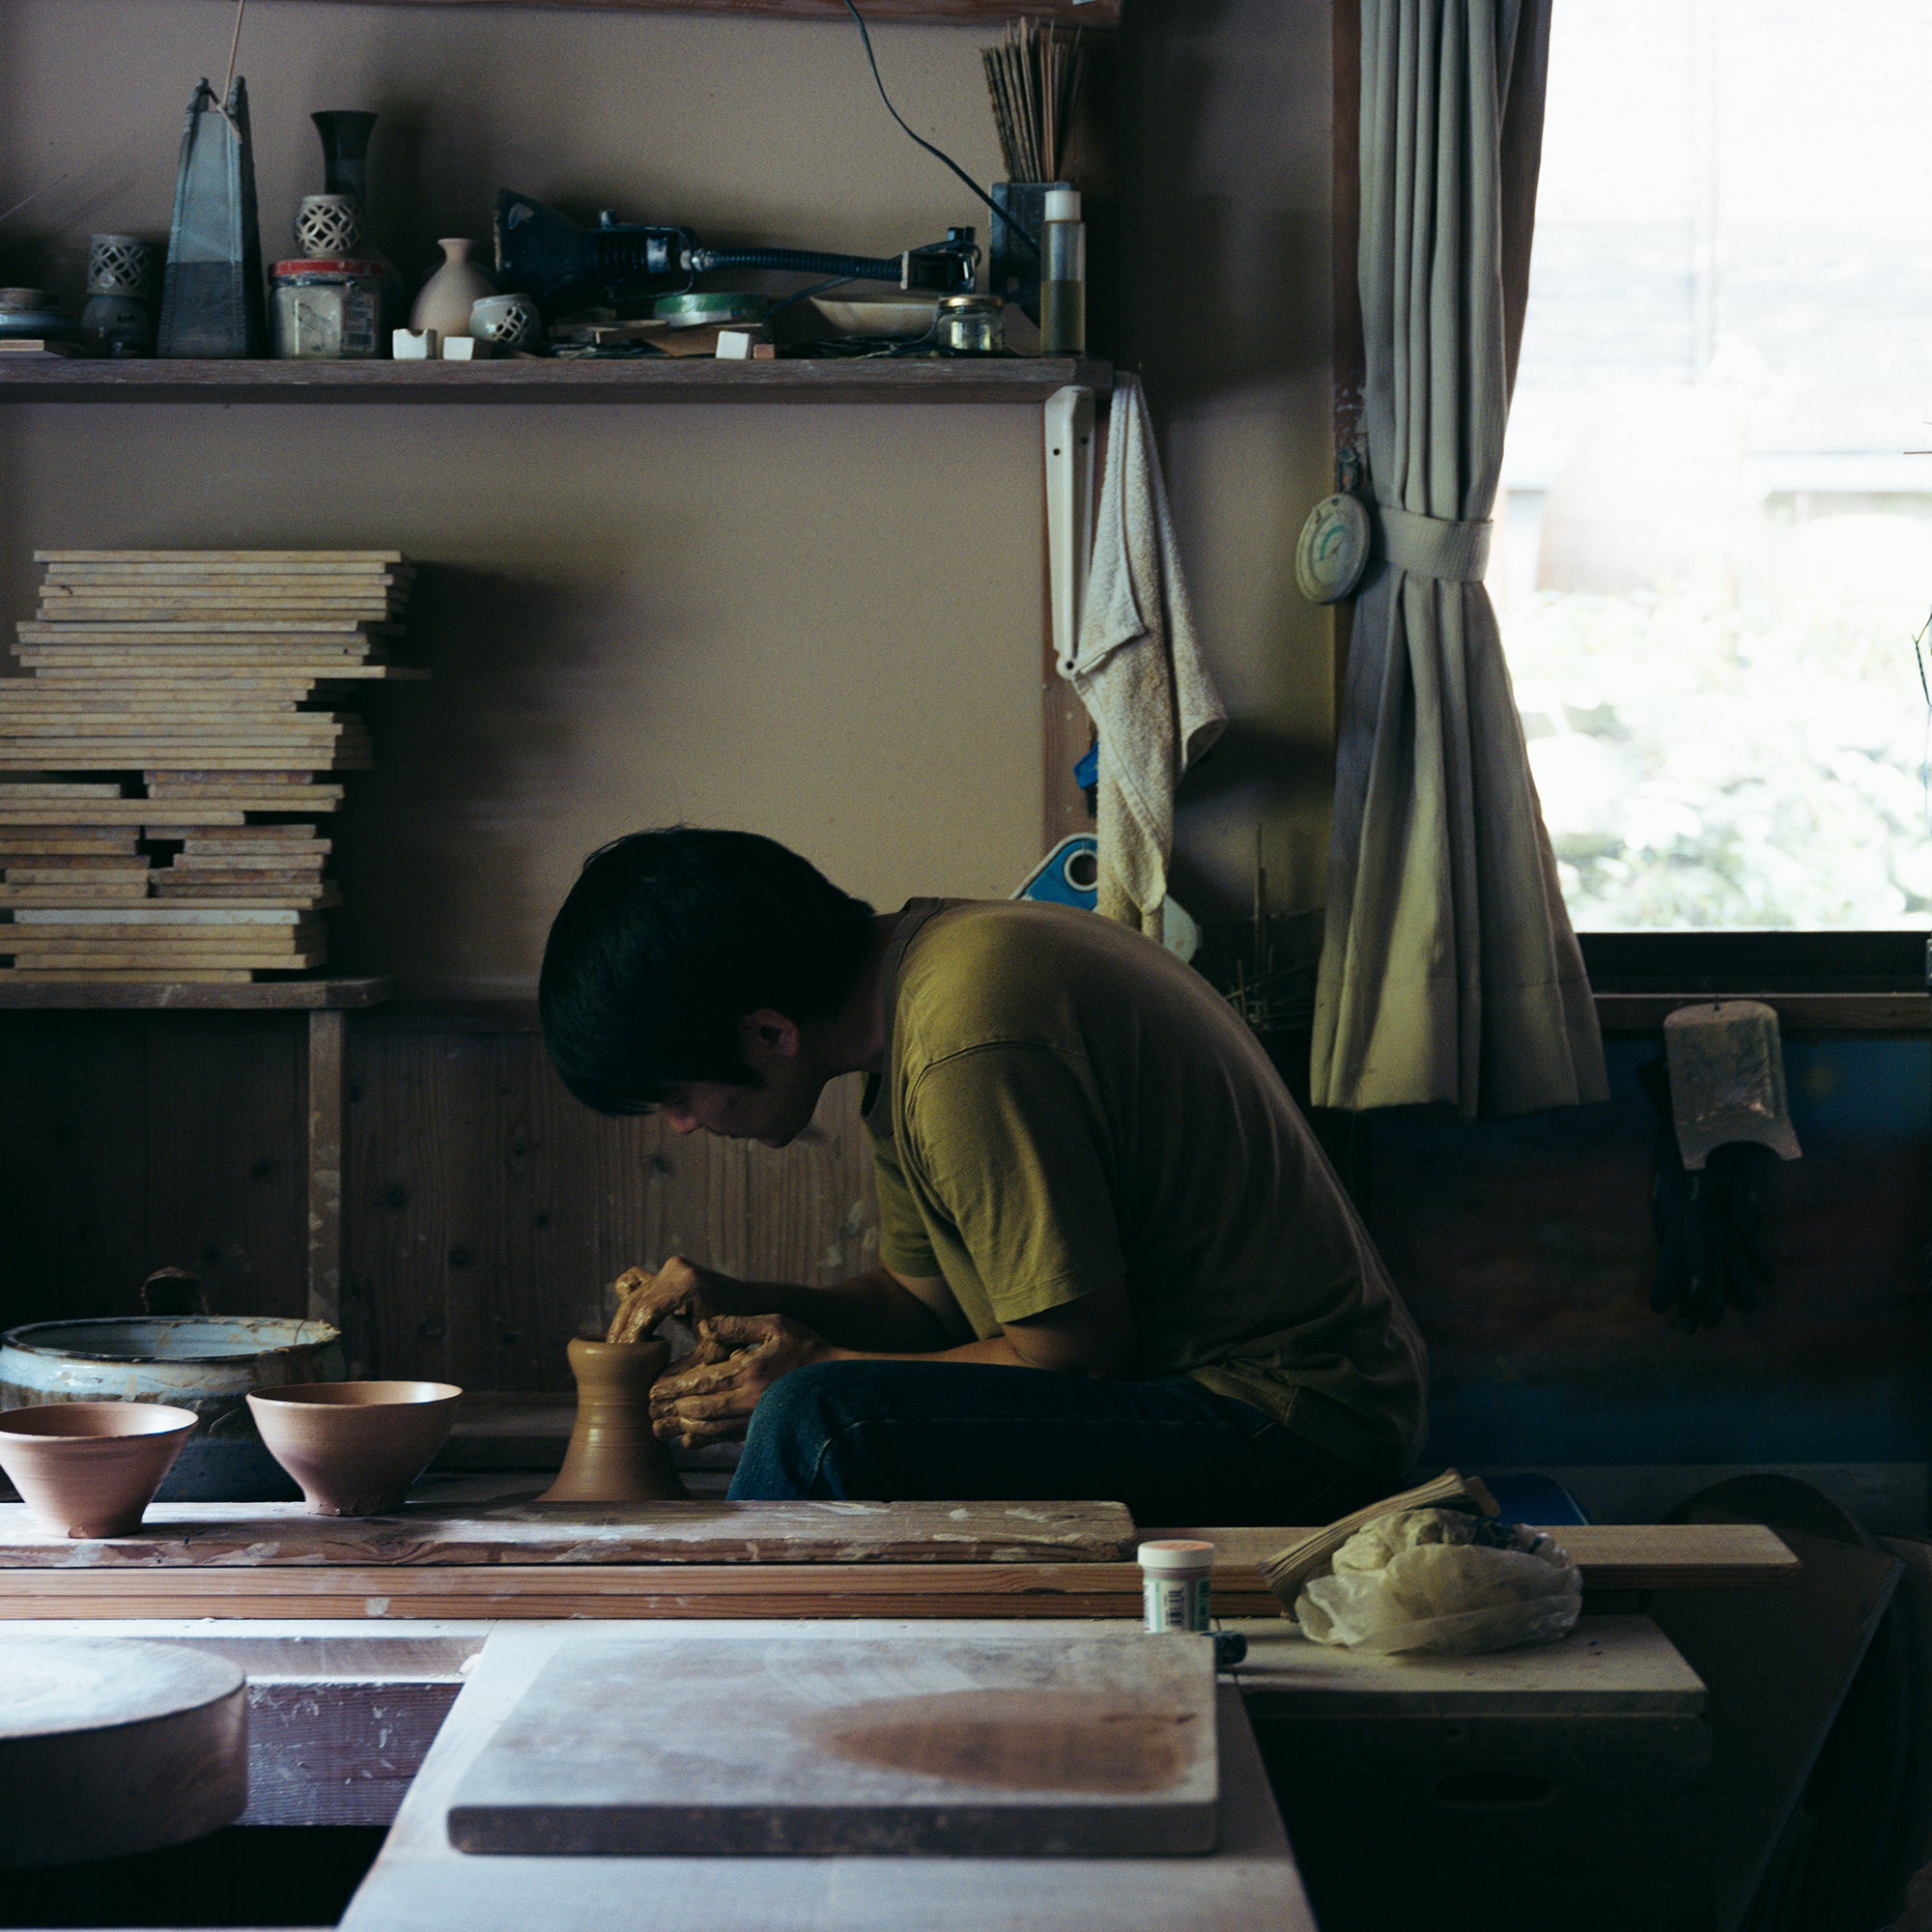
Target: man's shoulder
987, 971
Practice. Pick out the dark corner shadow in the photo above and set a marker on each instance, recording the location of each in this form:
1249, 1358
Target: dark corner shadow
1216, 290
462, 762
1250, 755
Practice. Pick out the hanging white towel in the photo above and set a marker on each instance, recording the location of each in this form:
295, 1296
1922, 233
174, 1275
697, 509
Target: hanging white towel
1137, 667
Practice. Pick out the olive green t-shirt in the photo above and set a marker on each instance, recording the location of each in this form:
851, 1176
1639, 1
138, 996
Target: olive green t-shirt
1064, 1103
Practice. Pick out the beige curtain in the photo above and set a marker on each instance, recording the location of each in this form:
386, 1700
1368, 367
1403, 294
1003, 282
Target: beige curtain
1449, 971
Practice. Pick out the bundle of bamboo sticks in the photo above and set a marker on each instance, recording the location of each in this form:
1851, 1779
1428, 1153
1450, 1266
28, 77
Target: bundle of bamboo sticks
1033, 77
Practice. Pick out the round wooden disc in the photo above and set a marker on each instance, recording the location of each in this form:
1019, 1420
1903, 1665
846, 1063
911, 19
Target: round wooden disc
109, 1745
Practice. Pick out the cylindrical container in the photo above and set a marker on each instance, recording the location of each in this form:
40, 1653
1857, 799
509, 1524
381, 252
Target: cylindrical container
971, 326
328, 310
1063, 276
120, 279
1173, 1581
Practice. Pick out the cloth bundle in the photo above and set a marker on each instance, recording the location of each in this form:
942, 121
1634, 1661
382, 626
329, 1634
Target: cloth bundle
1443, 1579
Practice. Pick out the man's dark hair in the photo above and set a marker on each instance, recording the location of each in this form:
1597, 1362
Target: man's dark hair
667, 940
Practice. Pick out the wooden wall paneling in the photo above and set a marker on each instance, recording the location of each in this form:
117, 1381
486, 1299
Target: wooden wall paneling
226, 1195
404, 1113
325, 1092
74, 1171
489, 1210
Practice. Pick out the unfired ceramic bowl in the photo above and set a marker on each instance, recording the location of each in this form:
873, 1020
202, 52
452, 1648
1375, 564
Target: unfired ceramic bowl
91, 1468
356, 1447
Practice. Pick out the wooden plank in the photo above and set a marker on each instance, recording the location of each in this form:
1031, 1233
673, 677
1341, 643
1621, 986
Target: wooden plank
1248, 1884
348, 990
1907, 1014
523, 1591
1615, 1667
707, 1591
1082, 1745
1612, 1556
1101, 13
271, 1535
679, 380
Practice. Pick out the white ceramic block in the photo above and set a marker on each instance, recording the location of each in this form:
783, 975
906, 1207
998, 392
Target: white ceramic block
413, 345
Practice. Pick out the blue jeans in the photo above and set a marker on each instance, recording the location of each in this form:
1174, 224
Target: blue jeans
1170, 1450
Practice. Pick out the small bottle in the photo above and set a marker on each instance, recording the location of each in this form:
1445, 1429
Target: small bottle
1174, 1577
1063, 275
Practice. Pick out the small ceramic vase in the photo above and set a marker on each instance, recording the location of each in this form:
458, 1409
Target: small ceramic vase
452, 292
507, 322
329, 227
613, 1458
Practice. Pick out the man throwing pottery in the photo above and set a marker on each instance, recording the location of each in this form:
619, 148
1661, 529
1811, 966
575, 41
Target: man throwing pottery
1113, 1262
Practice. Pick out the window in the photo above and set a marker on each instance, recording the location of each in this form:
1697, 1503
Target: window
1712, 552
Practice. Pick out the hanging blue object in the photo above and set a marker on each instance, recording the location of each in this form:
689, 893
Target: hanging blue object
1068, 875
1087, 772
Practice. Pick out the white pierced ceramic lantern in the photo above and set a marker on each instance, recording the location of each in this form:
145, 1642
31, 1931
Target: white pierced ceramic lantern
508, 321
329, 226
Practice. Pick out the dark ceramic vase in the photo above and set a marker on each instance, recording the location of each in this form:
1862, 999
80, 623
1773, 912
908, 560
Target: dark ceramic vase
344, 150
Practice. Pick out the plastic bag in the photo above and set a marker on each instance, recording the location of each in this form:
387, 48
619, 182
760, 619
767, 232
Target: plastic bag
1440, 1579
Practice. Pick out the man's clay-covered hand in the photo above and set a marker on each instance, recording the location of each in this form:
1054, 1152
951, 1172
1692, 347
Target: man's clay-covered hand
709, 1396
678, 1288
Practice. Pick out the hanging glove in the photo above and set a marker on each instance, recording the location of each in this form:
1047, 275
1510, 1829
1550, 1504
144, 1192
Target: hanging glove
1709, 1222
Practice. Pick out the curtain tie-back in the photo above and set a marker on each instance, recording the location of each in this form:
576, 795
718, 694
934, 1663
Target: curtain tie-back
1434, 546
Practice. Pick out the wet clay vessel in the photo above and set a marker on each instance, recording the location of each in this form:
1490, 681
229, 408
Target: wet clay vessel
356, 1447
613, 1458
91, 1468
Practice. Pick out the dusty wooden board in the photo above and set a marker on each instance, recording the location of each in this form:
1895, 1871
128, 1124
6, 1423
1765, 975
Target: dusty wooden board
1001, 1744
418, 1882
266, 1534
1612, 1555
1612, 1666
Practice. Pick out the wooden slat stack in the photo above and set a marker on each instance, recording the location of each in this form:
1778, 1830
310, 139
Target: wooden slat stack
179, 682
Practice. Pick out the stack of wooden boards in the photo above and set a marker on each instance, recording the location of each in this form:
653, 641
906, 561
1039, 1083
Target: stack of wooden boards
158, 765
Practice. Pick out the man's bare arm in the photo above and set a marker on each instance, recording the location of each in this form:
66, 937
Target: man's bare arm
713, 1402
877, 1311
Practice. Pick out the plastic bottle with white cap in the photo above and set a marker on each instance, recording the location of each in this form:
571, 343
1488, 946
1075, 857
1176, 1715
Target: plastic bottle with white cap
1174, 1582
1063, 275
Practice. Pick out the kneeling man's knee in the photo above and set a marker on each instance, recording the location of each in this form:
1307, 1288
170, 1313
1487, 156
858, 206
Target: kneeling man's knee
795, 1429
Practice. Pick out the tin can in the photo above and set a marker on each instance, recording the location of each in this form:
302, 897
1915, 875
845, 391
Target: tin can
328, 310
1175, 1584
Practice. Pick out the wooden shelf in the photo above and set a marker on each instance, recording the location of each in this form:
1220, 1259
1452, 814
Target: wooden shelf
281, 995
952, 13
649, 379
1908, 1013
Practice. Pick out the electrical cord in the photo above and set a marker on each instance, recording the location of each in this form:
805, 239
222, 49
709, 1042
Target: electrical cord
938, 154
